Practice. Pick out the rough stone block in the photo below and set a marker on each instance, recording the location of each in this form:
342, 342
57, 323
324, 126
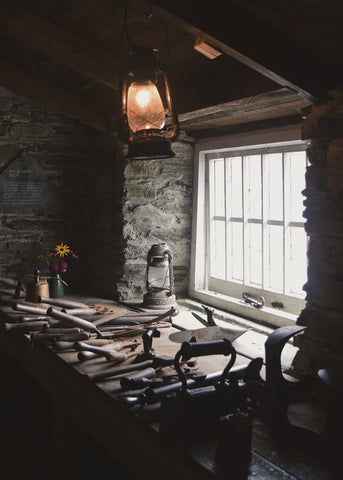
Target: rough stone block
335, 153
29, 130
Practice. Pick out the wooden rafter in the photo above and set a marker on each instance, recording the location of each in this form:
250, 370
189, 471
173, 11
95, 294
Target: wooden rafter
58, 44
254, 43
237, 107
58, 99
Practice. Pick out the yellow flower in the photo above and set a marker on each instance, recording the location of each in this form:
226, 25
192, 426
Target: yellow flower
62, 249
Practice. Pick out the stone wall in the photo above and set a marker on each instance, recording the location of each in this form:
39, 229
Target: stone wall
112, 211
135, 204
157, 207
321, 343
65, 150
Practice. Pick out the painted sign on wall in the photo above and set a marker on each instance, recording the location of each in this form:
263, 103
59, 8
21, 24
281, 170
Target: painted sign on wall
26, 188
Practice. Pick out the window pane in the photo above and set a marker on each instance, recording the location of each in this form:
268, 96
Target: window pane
253, 170
254, 224
235, 186
255, 254
274, 182
276, 256
297, 168
298, 260
236, 251
217, 248
218, 188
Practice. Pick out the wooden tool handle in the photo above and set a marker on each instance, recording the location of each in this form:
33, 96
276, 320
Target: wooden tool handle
42, 337
8, 281
22, 307
98, 342
113, 372
24, 327
60, 345
79, 311
5, 291
110, 354
84, 355
107, 318
36, 318
63, 303
61, 330
6, 300
74, 337
73, 320
51, 336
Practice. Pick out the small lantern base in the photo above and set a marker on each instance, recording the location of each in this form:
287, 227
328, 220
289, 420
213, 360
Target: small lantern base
149, 149
159, 300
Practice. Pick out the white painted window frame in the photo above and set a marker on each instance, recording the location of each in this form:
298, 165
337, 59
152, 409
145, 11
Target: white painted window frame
199, 288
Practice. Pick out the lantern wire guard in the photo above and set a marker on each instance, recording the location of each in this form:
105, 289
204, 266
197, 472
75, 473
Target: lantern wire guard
148, 122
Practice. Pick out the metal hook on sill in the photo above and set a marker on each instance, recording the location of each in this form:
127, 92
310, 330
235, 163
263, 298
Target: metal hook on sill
254, 301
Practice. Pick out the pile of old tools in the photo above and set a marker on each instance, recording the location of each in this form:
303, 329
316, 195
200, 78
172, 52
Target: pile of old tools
222, 405
97, 330
188, 406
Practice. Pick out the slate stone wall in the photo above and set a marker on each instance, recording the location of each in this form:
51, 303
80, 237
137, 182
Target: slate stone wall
321, 343
66, 151
157, 207
112, 212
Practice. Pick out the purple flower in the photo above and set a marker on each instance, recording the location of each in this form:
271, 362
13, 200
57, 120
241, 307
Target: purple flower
54, 267
63, 266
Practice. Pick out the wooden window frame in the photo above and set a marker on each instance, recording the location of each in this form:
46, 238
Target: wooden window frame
199, 285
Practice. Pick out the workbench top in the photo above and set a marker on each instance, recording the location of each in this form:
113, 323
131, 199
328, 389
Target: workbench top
99, 407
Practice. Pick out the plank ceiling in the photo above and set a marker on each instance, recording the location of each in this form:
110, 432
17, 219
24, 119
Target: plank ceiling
278, 56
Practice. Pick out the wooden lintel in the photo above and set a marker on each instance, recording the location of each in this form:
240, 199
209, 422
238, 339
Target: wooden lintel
254, 43
58, 99
243, 105
283, 123
58, 44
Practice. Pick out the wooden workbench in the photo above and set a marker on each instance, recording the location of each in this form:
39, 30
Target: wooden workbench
131, 437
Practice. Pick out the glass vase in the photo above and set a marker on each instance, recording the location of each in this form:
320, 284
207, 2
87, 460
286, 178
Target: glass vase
56, 286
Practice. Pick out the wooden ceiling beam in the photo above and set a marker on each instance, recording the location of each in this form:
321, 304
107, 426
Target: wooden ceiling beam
251, 41
241, 130
58, 99
237, 107
58, 44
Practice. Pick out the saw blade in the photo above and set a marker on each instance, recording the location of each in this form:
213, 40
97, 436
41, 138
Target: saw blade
207, 334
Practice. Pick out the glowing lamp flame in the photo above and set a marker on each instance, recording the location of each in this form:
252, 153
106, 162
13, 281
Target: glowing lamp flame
145, 108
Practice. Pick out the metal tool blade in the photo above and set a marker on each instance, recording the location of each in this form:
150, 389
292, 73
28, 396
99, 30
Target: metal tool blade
200, 319
207, 334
